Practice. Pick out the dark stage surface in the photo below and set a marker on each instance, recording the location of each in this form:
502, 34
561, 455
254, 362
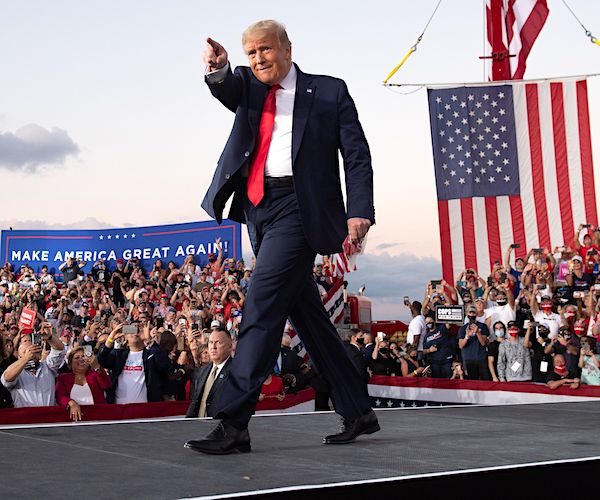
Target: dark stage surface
147, 459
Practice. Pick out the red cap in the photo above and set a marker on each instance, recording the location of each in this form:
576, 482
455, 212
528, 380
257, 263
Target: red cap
119, 261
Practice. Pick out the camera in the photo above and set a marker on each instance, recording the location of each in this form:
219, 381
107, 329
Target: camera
515, 245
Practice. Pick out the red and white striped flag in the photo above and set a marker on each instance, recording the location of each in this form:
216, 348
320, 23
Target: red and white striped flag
512, 28
345, 261
513, 164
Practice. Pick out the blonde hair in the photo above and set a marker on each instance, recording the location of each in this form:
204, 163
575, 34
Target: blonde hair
267, 26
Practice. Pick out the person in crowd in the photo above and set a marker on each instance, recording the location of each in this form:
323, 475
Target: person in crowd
504, 310
272, 388
383, 363
83, 385
136, 371
6, 359
514, 361
208, 381
71, 269
560, 375
457, 371
292, 367
409, 363
437, 349
472, 340
30, 379
496, 338
589, 362
416, 327
544, 314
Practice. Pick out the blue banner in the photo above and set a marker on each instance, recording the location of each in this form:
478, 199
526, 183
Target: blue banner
170, 242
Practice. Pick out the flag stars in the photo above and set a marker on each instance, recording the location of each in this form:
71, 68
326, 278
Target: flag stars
487, 130
461, 180
444, 150
452, 156
451, 139
446, 183
471, 113
125, 236
469, 170
479, 121
454, 98
498, 170
482, 170
468, 154
503, 128
116, 236
488, 146
480, 137
477, 104
471, 97
496, 153
440, 116
456, 114
507, 178
442, 133
502, 111
463, 104
492, 180
476, 163
438, 100
447, 107
504, 145
477, 180
496, 137
444, 166
495, 119
505, 161
465, 138
490, 163
449, 123
464, 121
457, 131
101, 237
452, 173
486, 97
109, 237
459, 147
486, 113
500, 95
494, 103
481, 154
461, 163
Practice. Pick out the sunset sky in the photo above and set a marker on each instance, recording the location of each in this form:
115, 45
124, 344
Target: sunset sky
105, 120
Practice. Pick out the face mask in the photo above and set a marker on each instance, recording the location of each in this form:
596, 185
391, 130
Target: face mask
384, 350
561, 370
546, 307
502, 302
472, 319
499, 332
360, 341
569, 315
513, 332
430, 326
579, 330
229, 324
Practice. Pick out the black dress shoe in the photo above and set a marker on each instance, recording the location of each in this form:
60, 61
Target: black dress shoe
224, 439
367, 424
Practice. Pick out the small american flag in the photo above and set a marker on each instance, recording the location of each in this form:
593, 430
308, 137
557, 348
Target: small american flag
513, 164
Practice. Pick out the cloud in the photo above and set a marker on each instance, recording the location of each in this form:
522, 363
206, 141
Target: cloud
87, 223
388, 278
385, 246
32, 146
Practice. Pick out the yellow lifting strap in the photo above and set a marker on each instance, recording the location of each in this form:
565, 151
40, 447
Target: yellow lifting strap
413, 48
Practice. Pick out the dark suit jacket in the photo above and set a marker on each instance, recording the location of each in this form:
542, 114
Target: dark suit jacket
325, 121
213, 396
358, 360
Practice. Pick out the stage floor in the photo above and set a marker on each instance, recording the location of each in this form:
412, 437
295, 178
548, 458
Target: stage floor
147, 459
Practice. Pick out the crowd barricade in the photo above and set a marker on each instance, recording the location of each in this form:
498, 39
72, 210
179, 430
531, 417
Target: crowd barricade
445, 391
302, 401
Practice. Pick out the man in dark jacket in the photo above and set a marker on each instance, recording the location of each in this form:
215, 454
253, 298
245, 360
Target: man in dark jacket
209, 380
355, 352
135, 371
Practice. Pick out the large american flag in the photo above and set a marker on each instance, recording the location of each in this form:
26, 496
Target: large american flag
512, 28
513, 164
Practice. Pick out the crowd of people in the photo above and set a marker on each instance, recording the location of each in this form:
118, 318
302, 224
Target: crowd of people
129, 335
534, 318
168, 333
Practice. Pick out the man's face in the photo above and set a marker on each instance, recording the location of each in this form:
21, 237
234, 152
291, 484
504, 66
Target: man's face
269, 61
24, 345
219, 347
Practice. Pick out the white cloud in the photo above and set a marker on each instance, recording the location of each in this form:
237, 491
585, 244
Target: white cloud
87, 223
33, 145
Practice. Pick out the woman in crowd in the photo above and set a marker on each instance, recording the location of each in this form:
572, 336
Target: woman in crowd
561, 375
272, 388
84, 385
383, 363
496, 338
514, 360
409, 365
589, 362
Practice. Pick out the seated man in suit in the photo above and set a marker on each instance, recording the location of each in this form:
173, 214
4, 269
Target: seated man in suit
208, 381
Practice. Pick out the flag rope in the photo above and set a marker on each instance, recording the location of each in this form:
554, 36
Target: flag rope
588, 33
414, 47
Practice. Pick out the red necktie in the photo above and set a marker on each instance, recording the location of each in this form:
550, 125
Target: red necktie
256, 173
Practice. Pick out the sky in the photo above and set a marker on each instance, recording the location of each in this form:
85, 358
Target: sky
105, 120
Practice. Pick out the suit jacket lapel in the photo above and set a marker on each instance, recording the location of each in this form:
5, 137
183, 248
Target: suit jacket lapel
305, 92
258, 91
219, 379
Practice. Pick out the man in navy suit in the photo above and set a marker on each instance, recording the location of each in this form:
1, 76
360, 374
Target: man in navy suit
209, 380
281, 165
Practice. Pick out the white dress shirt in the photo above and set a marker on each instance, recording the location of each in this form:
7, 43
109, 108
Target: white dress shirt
279, 157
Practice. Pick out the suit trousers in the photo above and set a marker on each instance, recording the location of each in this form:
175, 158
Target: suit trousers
282, 286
